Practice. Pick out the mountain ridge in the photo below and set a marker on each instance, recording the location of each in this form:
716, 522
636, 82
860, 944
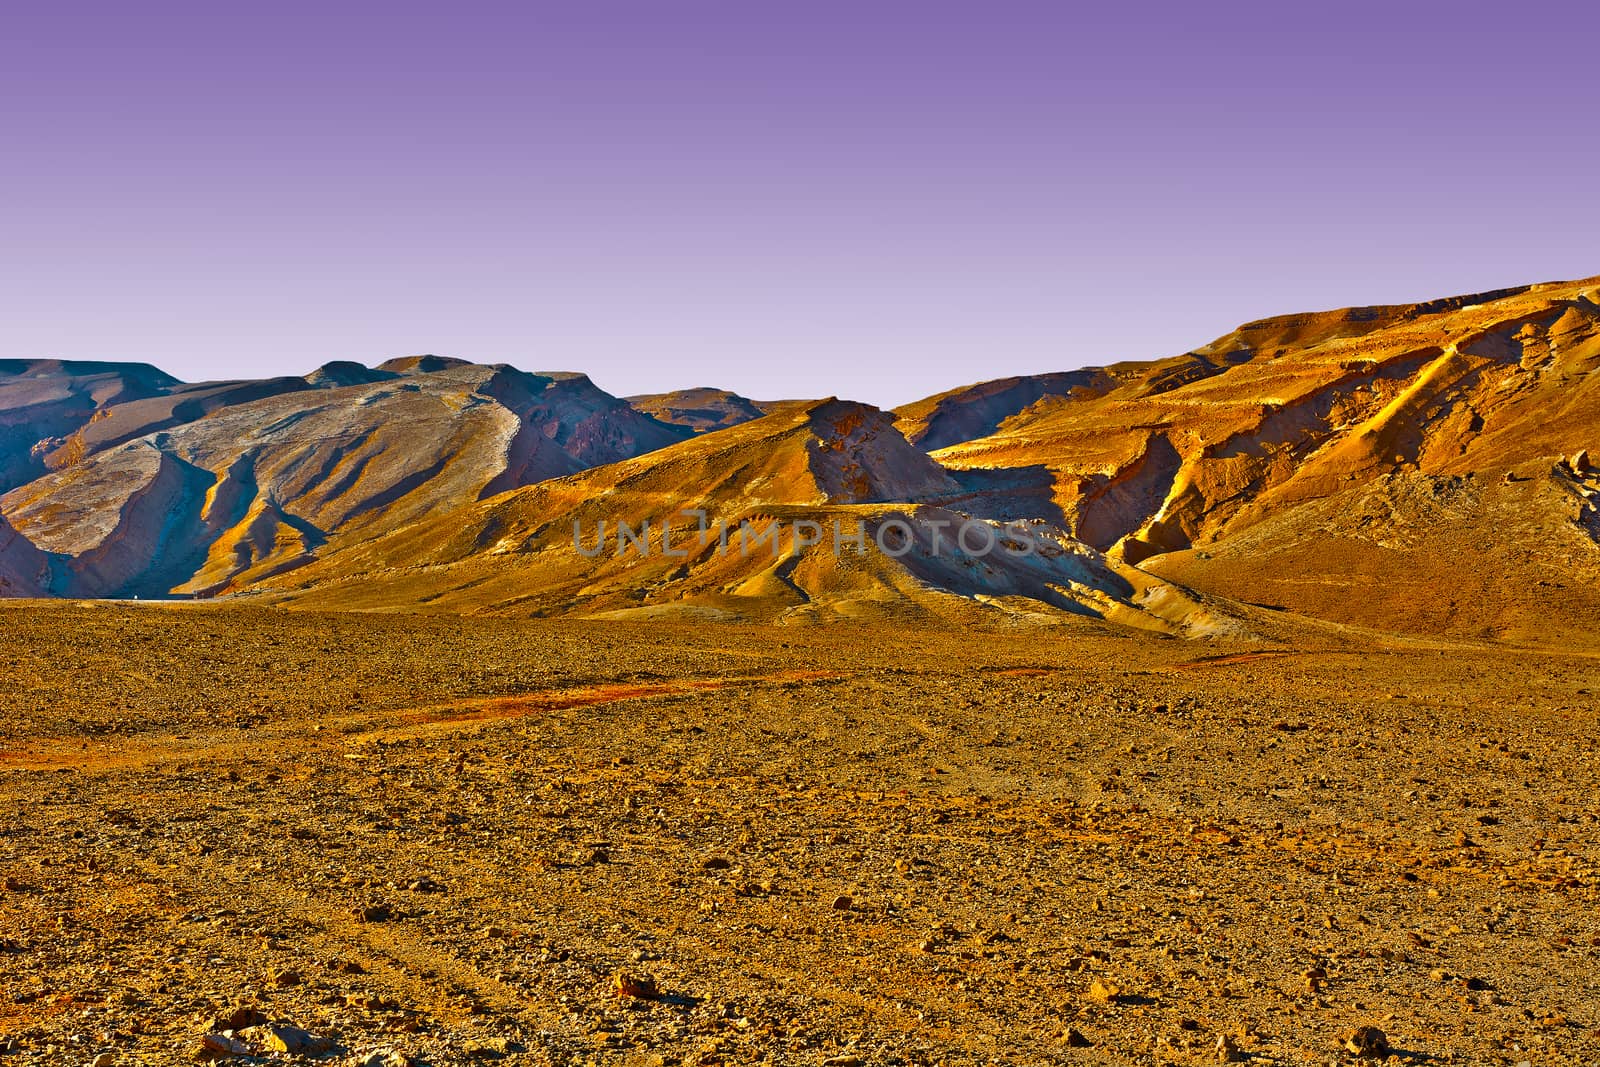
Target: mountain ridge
1273, 466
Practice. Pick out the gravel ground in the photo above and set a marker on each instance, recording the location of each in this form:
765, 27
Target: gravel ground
372, 839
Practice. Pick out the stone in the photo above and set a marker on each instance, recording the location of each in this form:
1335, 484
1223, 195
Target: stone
635, 985
217, 1045
241, 1018
290, 1039
1104, 991
1227, 1050
1368, 1041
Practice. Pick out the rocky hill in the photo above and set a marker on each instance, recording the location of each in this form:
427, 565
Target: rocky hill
818, 511
1251, 466
700, 409
1419, 467
977, 410
203, 489
43, 400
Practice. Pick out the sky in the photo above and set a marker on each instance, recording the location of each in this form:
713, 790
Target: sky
875, 200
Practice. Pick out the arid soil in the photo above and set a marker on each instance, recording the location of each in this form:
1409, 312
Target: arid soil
390, 839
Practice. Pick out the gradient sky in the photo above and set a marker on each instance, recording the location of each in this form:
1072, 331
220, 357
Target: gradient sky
877, 200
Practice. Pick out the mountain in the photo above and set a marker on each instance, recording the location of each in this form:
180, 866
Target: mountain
1422, 468
43, 400
978, 410
700, 409
1286, 461
206, 488
829, 513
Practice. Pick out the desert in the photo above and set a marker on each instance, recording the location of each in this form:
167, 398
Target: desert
1231, 707
450, 840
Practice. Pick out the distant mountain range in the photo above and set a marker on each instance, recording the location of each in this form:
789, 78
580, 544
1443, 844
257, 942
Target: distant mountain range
1421, 468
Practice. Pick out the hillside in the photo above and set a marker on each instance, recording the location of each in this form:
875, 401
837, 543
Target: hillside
1416, 467
206, 488
978, 410
24, 570
835, 464
1354, 414
43, 400
700, 409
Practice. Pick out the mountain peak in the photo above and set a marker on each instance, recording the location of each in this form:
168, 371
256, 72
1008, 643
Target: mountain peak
426, 364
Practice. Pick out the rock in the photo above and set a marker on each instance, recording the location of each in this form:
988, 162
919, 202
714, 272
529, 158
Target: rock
492, 1048
241, 1018
105, 1059
284, 977
843, 902
286, 1038
633, 984
425, 885
1227, 1050
1104, 991
372, 913
213, 1046
385, 1057
717, 863
843, 1061
1368, 1041
1077, 1040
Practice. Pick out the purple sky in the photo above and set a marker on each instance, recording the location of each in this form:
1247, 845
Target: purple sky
870, 199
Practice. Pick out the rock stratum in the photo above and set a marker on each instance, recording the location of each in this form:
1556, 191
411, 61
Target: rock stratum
1420, 467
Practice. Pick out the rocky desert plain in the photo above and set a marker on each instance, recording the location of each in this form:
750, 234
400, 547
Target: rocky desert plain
1262, 732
